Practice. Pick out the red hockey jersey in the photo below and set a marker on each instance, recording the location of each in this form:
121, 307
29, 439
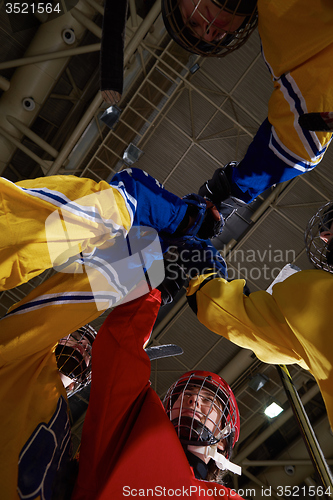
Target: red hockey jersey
129, 446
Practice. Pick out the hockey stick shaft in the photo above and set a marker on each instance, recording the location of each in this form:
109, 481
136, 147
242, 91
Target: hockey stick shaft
163, 351
306, 430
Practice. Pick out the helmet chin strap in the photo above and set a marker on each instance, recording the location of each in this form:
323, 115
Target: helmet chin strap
222, 463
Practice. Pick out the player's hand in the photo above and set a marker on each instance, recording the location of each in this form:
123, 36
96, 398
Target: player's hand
175, 279
203, 218
111, 96
218, 188
200, 257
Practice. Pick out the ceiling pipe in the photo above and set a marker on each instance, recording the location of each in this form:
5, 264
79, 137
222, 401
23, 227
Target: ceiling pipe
16, 143
74, 114
59, 54
4, 84
134, 16
35, 82
131, 47
237, 366
34, 137
98, 8
86, 22
293, 464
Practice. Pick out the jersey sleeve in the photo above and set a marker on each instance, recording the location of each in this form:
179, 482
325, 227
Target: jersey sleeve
254, 322
148, 202
268, 161
121, 371
282, 149
46, 222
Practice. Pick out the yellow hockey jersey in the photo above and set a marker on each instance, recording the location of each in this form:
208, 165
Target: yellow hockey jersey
293, 325
297, 47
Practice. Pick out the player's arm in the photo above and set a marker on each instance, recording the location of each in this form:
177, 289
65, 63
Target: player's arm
281, 150
151, 205
254, 322
267, 162
121, 371
67, 215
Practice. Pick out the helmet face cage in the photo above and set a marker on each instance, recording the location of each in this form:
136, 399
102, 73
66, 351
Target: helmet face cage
225, 40
216, 420
320, 252
73, 356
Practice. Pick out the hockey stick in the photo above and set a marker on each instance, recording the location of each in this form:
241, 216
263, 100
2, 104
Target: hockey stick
317, 122
307, 432
112, 50
163, 351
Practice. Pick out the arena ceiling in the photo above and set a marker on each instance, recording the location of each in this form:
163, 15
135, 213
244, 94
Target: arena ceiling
188, 116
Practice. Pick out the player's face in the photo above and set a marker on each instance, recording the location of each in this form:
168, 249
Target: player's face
198, 404
207, 20
81, 344
327, 236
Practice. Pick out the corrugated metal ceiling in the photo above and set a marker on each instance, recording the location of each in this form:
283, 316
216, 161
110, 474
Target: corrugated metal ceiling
187, 125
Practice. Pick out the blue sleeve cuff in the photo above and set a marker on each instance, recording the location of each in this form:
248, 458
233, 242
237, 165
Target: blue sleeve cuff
148, 202
261, 168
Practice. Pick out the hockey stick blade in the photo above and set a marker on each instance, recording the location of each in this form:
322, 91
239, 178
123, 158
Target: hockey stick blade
317, 122
163, 351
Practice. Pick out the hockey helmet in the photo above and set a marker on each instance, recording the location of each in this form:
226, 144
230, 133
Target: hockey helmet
319, 247
212, 420
73, 356
210, 28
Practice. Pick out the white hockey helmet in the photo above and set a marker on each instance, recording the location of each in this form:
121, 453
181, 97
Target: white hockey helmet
73, 356
319, 238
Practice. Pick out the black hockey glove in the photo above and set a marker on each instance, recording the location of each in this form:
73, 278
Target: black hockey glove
218, 188
202, 219
175, 279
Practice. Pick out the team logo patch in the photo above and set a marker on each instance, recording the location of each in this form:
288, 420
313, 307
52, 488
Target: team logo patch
46, 451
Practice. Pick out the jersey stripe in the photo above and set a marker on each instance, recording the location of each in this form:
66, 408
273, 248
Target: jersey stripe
62, 299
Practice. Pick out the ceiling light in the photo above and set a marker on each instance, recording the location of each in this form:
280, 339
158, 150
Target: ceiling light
194, 68
111, 116
131, 154
258, 381
273, 410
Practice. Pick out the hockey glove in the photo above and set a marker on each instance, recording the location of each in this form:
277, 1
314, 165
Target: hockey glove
218, 188
175, 279
202, 219
200, 257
